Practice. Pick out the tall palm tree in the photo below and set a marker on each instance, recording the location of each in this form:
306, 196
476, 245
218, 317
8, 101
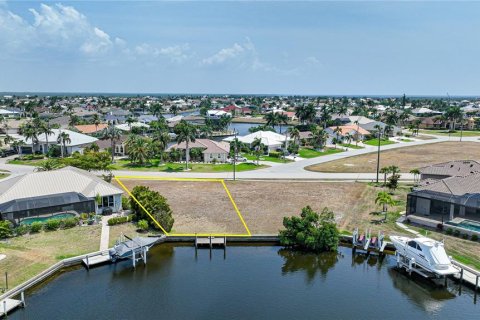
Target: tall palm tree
415, 173
282, 119
160, 140
258, 147
337, 131
130, 121
272, 119
319, 137
63, 139
385, 171
30, 132
96, 121
294, 134
185, 133
113, 134
46, 130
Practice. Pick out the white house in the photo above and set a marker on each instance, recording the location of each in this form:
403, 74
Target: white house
78, 141
128, 127
217, 114
270, 139
9, 113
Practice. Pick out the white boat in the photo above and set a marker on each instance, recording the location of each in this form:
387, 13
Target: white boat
427, 253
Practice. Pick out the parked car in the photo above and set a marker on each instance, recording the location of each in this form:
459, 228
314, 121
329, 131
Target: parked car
238, 159
6, 153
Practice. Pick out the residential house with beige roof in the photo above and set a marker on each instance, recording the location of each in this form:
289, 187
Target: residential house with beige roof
213, 151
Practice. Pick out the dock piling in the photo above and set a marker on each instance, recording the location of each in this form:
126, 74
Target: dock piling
22, 297
5, 308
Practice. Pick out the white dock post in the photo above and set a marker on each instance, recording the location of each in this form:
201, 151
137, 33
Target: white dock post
5, 308
145, 255
398, 259
22, 297
133, 257
476, 284
88, 263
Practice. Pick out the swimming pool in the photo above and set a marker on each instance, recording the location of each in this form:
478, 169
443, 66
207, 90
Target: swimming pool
43, 219
467, 224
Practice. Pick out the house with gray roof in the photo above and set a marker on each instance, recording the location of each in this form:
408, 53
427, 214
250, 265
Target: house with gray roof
456, 168
448, 198
43, 194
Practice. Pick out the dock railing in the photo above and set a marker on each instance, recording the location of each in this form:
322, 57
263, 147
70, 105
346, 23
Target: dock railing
475, 274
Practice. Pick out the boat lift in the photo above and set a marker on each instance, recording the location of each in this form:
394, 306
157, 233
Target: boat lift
368, 243
135, 249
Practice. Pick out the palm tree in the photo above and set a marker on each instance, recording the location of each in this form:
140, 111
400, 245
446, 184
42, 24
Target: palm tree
130, 121
384, 199
282, 119
294, 134
319, 137
258, 148
174, 109
185, 133
96, 121
63, 139
415, 173
29, 131
46, 130
385, 171
139, 149
111, 133
206, 131
272, 119
160, 140
48, 165
337, 131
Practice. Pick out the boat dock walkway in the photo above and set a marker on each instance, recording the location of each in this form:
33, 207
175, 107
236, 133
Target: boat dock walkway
467, 274
104, 257
9, 304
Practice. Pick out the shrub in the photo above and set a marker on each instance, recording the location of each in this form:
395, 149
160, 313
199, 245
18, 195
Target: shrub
275, 154
52, 224
155, 204
311, 231
474, 237
125, 203
22, 229
465, 236
84, 216
440, 226
449, 231
143, 225
119, 220
6, 229
36, 227
456, 233
69, 222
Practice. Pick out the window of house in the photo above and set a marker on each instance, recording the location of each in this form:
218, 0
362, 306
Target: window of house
107, 202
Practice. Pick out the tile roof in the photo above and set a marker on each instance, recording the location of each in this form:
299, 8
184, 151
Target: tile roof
91, 128
459, 168
210, 146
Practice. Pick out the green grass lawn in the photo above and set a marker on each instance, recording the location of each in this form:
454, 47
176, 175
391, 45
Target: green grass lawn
311, 153
155, 165
374, 142
351, 146
3, 175
453, 134
406, 140
25, 162
252, 157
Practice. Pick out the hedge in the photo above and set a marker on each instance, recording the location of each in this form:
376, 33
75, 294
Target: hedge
119, 220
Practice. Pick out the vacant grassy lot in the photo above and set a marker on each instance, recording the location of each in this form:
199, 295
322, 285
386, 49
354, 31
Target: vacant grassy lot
456, 133
30, 254
312, 153
374, 142
406, 158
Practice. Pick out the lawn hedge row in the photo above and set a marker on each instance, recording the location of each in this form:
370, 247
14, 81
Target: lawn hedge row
119, 220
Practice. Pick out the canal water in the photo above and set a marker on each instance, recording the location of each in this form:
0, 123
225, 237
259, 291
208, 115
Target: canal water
247, 282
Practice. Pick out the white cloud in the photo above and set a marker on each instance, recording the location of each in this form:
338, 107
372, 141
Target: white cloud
225, 55
177, 53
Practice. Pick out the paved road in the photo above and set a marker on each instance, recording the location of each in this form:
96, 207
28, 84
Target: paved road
288, 171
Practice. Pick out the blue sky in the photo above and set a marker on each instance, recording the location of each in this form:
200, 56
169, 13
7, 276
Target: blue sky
278, 47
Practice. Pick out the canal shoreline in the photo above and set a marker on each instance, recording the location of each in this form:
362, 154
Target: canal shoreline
262, 239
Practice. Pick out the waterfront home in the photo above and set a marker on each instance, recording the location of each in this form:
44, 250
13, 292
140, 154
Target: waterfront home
456, 168
45, 193
271, 140
356, 133
129, 126
91, 128
76, 141
212, 151
446, 199
217, 114
371, 125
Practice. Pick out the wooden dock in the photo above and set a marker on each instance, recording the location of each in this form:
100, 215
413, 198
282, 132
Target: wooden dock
8, 305
210, 242
97, 259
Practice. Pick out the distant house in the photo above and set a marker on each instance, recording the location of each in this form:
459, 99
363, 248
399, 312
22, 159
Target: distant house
42, 194
211, 150
291, 116
217, 114
236, 110
371, 125
425, 112
9, 113
355, 132
120, 148
129, 126
91, 128
77, 142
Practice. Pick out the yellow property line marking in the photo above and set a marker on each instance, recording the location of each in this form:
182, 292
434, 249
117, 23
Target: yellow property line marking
117, 178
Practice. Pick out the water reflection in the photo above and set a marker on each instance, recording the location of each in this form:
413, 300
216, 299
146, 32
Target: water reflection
309, 263
423, 292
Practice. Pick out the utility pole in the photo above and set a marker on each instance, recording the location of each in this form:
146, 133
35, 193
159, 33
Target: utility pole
378, 153
234, 152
